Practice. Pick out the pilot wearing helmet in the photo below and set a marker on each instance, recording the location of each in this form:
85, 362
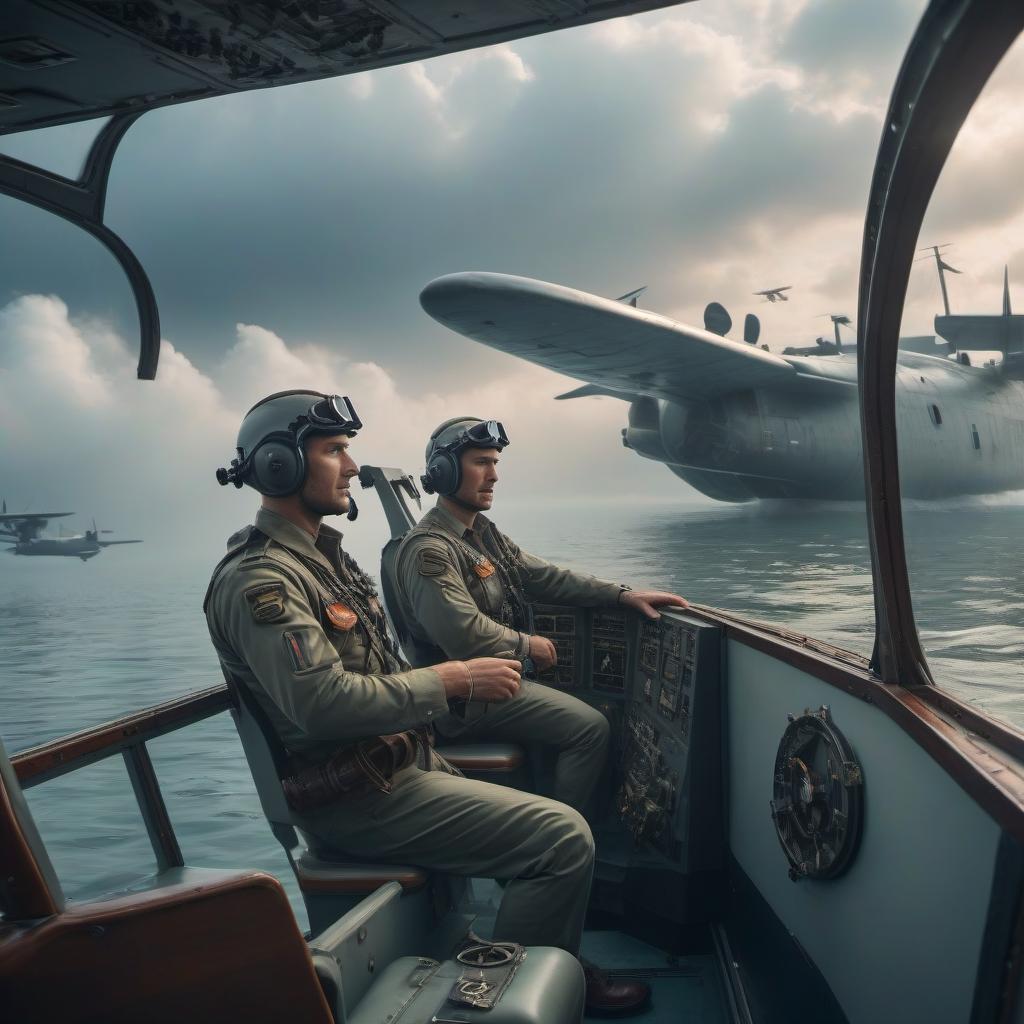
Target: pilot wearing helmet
298, 629
465, 591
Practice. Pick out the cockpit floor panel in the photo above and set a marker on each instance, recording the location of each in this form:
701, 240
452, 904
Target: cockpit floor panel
684, 989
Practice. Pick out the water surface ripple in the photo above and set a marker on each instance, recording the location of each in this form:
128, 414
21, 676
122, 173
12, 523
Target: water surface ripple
86, 643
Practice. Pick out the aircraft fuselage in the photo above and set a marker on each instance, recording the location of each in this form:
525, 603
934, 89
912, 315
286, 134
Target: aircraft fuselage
961, 431
66, 547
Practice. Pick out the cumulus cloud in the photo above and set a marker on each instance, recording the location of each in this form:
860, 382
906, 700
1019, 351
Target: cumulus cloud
82, 433
707, 151
699, 150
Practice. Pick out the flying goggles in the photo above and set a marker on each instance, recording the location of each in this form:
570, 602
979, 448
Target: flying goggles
488, 434
331, 411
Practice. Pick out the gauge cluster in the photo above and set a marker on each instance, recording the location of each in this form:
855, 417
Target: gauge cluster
670, 791
659, 683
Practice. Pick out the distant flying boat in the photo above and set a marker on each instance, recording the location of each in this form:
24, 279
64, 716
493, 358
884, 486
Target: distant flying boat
775, 294
23, 531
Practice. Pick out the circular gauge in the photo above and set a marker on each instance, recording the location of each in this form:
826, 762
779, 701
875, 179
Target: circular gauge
818, 797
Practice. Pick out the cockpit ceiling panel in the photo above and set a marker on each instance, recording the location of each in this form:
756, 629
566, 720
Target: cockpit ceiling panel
71, 61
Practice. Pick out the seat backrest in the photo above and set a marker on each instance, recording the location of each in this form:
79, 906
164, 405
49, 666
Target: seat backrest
393, 487
268, 761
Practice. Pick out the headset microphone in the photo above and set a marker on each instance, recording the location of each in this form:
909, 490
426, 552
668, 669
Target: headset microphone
353, 509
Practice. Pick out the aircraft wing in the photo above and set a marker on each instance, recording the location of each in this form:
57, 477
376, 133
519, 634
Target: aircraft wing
110, 543
624, 350
27, 525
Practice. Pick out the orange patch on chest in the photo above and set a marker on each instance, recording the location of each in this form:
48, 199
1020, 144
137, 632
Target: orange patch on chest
340, 615
483, 569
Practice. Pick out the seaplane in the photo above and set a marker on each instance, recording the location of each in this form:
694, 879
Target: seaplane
23, 531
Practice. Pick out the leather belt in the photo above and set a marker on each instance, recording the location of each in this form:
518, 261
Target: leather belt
369, 764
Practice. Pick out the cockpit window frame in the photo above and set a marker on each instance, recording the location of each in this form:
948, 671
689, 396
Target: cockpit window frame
954, 51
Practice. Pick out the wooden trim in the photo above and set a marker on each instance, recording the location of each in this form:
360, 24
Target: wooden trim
1000, 734
68, 753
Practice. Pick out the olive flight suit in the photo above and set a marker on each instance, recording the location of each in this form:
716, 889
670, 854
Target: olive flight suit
298, 624
458, 592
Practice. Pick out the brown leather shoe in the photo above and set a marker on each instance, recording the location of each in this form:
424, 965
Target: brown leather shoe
614, 997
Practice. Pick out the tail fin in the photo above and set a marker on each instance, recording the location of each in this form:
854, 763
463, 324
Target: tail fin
630, 297
1006, 292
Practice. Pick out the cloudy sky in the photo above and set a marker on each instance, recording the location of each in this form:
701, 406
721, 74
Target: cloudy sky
707, 152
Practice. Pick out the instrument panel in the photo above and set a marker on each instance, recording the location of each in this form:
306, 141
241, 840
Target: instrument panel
659, 683
608, 651
594, 648
670, 789
661, 679
559, 625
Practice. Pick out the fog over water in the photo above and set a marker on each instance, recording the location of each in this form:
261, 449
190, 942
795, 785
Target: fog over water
84, 643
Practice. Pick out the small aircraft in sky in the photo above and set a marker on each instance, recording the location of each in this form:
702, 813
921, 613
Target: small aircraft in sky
775, 294
23, 530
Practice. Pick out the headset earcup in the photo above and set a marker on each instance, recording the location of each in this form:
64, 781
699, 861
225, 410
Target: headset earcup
276, 468
445, 472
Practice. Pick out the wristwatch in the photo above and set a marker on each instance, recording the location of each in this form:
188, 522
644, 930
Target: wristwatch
622, 589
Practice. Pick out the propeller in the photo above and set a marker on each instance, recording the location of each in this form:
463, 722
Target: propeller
717, 319
751, 329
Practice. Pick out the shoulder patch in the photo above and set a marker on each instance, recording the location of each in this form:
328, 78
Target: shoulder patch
266, 601
431, 563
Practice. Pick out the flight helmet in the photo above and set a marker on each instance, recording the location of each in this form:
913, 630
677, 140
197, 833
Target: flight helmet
271, 456
446, 445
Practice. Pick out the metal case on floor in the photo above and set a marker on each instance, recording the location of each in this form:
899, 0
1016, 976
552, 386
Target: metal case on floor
547, 988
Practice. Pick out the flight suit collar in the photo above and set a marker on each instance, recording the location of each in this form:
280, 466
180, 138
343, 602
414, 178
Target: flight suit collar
325, 549
447, 522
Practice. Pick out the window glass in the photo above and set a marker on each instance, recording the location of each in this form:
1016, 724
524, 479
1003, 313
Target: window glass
61, 149
718, 154
960, 394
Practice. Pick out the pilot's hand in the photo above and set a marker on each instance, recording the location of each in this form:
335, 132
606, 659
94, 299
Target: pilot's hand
484, 679
543, 652
647, 601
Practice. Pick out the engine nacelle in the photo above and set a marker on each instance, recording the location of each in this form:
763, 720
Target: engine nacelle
644, 433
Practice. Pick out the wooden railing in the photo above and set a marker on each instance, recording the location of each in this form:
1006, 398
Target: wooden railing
128, 737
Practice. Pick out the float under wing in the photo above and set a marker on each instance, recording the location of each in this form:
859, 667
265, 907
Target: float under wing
626, 351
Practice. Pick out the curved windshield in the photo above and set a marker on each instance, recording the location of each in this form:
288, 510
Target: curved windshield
960, 395
681, 193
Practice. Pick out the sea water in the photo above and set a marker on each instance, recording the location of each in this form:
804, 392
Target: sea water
85, 643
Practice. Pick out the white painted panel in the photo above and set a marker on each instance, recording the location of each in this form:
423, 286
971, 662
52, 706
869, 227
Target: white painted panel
898, 937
